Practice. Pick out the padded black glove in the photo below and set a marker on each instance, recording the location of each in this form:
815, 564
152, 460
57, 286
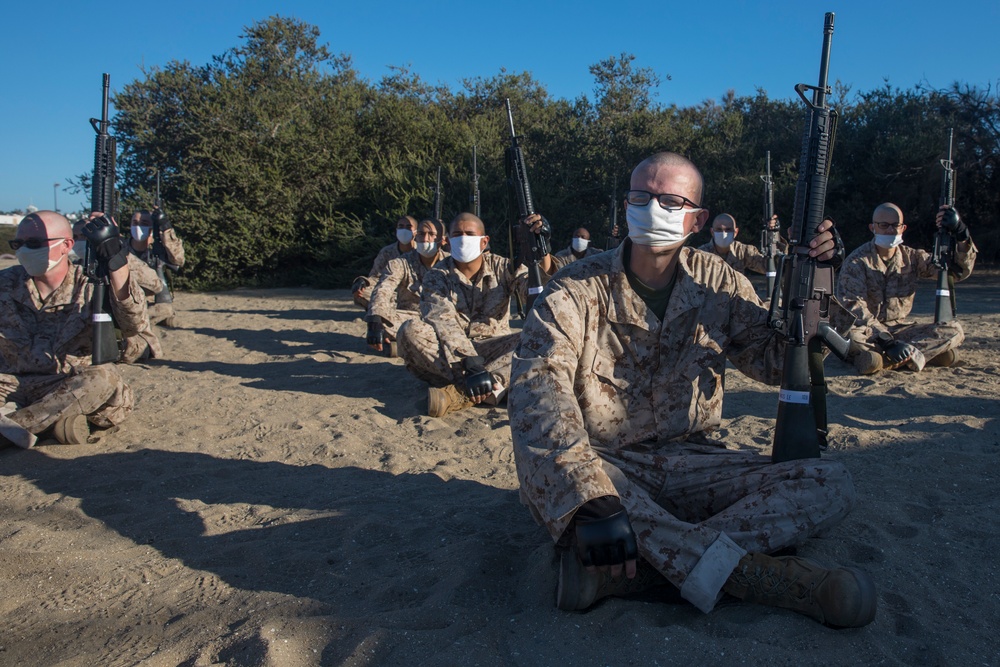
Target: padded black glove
607, 541
478, 381
952, 222
376, 333
160, 218
896, 352
106, 243
359, 284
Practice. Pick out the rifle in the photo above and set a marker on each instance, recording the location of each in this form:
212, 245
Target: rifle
102, 198
768, 236
806, 287
474, 197
944, 246
437, 197
612, 241
158, 253
532, 247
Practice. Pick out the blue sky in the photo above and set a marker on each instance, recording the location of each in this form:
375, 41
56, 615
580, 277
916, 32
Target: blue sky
53, 54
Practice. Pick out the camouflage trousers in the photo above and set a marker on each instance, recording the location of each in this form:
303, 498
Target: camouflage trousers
144, 345
931, 339
696, 509
421, 351
96, 391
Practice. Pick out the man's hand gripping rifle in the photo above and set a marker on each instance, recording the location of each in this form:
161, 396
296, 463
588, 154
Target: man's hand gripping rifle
806, 288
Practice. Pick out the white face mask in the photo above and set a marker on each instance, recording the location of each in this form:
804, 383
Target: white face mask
466, 249
428, 249
404, 236
36, 262
724, 239
888, 240
579, 244
141, 232
654, 225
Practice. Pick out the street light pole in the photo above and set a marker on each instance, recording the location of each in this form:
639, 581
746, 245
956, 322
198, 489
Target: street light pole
55, 201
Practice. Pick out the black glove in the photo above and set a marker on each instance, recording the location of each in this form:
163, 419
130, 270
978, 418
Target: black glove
838, 247
376, 333
160, 219
478, 381
951, 222
607, 541
895, 351
106, 243
359, 284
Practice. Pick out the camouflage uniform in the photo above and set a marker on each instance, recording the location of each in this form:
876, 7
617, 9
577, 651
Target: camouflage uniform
396, 297
382, 259
744, 257
462, 319
174, 255
607, 400
146, 344
880, 293
566, 256
45, 350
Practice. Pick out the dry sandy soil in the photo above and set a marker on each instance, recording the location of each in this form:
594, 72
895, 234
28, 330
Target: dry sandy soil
278, 498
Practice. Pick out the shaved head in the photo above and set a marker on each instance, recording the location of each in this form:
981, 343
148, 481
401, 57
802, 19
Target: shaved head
887, 212
724, 221
467, 219
45, 224
682, 172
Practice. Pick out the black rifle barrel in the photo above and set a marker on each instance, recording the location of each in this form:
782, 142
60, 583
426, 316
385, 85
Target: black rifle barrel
104, 346
475, 184
944, 245
800, 430
532, 247
768, 237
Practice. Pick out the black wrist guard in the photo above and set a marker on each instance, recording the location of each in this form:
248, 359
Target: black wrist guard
607, 541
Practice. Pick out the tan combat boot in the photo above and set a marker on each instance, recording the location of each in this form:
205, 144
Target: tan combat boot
945, 359
442, 400
842, 597
578, 589
73, 430
868, 362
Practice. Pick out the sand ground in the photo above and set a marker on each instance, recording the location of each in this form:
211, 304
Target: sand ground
278, 498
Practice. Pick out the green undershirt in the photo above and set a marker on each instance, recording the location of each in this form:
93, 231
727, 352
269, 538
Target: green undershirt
655, 299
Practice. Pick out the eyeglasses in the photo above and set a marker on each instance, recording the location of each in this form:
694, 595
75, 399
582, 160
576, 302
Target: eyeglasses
887, 226
32, 243
667, 201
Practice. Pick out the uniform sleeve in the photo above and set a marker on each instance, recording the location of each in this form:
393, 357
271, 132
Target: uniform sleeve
130, 312
174, 248
557, 468
753, 259
851, 292
438, 310
757, 350
382, 259
965, 261
383, 296
144, 275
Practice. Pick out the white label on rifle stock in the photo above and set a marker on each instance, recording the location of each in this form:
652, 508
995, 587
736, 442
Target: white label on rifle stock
789, 396
944, 292
771, 274
101, 317
535, 290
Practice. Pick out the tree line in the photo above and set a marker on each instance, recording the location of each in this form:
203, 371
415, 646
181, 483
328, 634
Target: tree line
280, 165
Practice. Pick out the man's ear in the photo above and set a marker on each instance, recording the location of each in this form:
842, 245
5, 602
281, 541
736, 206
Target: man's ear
484, 243
700, 220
